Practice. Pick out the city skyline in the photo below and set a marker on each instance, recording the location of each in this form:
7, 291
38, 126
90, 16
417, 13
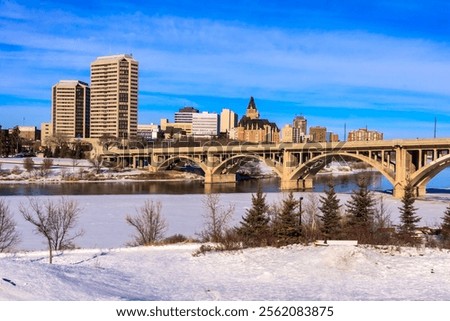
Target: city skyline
340, 64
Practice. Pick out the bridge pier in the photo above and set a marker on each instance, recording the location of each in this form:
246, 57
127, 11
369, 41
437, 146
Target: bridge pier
399, 191
293, 184
219, 178
421, 190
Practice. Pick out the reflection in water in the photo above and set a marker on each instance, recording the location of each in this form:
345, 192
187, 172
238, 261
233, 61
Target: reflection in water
343, 184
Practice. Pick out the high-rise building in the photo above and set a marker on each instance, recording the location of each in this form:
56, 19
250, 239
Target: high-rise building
114, 96
228, 120
71, 108
299, 129
300, 122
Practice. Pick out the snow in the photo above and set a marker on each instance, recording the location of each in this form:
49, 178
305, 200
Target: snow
103, 216
172, 273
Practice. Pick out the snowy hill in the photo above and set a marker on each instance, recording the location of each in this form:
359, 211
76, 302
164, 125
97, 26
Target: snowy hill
171, 273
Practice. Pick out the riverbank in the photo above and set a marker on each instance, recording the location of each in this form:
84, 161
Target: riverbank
12, 171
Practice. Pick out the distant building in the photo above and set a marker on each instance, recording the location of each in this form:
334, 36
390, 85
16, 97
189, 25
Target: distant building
205, 124
295, 133
114, 96
30, 133
255, 130
71, 109
148, 131
46, 131
332, 137
318, 134
363, 134
184, 115
287, 134
168, 127
228, 120
299, 129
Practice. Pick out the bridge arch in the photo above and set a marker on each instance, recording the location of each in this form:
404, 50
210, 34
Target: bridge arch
424, 175
315, 164
174, 159
232, 164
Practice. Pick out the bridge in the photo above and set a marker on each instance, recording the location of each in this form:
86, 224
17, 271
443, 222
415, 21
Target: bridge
400, 161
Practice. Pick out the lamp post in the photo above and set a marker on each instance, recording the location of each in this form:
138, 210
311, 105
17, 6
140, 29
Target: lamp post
300, 212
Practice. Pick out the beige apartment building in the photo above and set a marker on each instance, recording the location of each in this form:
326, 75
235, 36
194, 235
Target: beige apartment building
71, 108
228, 120
363, 134
114, 96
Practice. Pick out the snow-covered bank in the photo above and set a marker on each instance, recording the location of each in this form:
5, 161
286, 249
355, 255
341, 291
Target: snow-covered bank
172, 273
103, 216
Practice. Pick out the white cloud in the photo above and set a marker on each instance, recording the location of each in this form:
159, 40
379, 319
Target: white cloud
182, 56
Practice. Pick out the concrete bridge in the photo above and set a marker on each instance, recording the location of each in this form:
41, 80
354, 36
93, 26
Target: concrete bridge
417, 160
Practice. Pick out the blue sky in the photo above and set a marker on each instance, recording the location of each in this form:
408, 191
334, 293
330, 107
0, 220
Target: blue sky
380, 64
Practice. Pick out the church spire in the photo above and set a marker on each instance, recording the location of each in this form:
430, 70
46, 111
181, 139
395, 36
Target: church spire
252, 112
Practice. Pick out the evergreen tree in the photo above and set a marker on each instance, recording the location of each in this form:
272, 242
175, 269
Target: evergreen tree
446, 226
408, 217
287, 223
330, 210
360, 211
254, 228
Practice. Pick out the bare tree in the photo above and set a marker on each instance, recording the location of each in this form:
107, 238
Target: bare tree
28, 164
55, 221
60, 144
310, 219
97, 163
383, 226
149, 223
217, 218
45, 167
108, 141
8, 234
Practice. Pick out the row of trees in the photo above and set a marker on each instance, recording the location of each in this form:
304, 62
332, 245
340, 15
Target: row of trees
10, 143
364, 219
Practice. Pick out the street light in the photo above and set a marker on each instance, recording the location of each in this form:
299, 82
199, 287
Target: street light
300, 211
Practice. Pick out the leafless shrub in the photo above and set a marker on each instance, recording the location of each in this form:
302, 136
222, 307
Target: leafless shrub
176, 238
46, 167
16, 170
149, 223
217, 218
28, 164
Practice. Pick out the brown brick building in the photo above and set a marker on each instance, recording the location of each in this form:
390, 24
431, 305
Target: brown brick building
252, 129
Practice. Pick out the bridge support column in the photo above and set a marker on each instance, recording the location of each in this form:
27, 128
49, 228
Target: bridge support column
306, 183
219, 178
401, 177
399, 191
421, 190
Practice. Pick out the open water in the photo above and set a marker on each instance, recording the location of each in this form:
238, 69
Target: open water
343, 184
